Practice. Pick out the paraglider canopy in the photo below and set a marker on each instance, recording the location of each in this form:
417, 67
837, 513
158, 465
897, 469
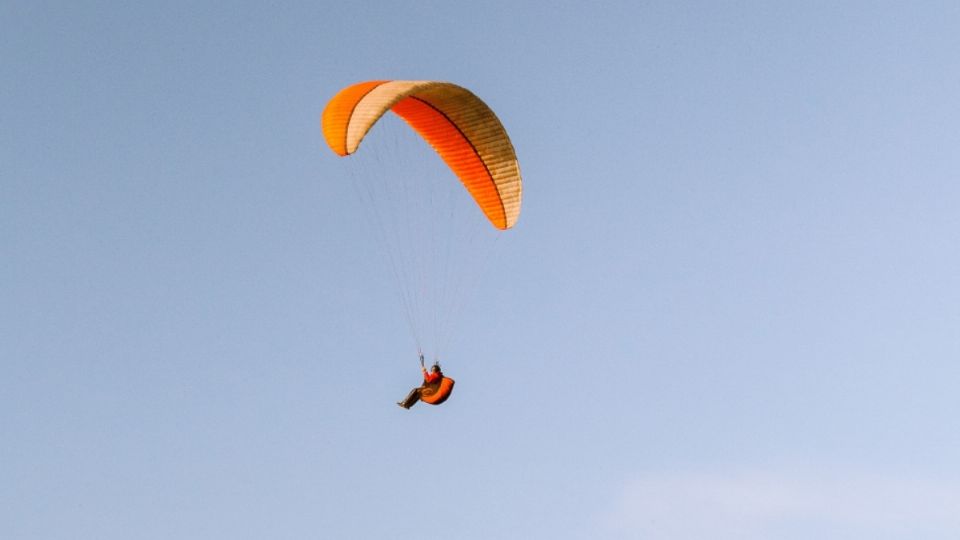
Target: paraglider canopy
458, 125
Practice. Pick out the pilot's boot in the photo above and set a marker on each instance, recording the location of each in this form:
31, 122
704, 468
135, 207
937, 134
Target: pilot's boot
412, 398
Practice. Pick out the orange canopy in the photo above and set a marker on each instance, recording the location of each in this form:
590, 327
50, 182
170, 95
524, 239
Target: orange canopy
457, 124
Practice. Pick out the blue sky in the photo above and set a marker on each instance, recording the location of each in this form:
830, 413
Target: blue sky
729, 309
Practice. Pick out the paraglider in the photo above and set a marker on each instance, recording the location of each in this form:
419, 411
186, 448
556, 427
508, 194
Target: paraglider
435, 388
433, 250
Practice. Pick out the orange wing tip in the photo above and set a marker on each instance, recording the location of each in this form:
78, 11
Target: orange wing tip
336, 115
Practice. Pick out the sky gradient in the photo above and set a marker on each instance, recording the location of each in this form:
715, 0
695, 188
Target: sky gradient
730, 307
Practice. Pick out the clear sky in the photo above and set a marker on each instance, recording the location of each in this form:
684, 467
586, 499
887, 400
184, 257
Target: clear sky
730, 309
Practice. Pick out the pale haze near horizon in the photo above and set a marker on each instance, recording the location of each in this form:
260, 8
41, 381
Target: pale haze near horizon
729, 309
